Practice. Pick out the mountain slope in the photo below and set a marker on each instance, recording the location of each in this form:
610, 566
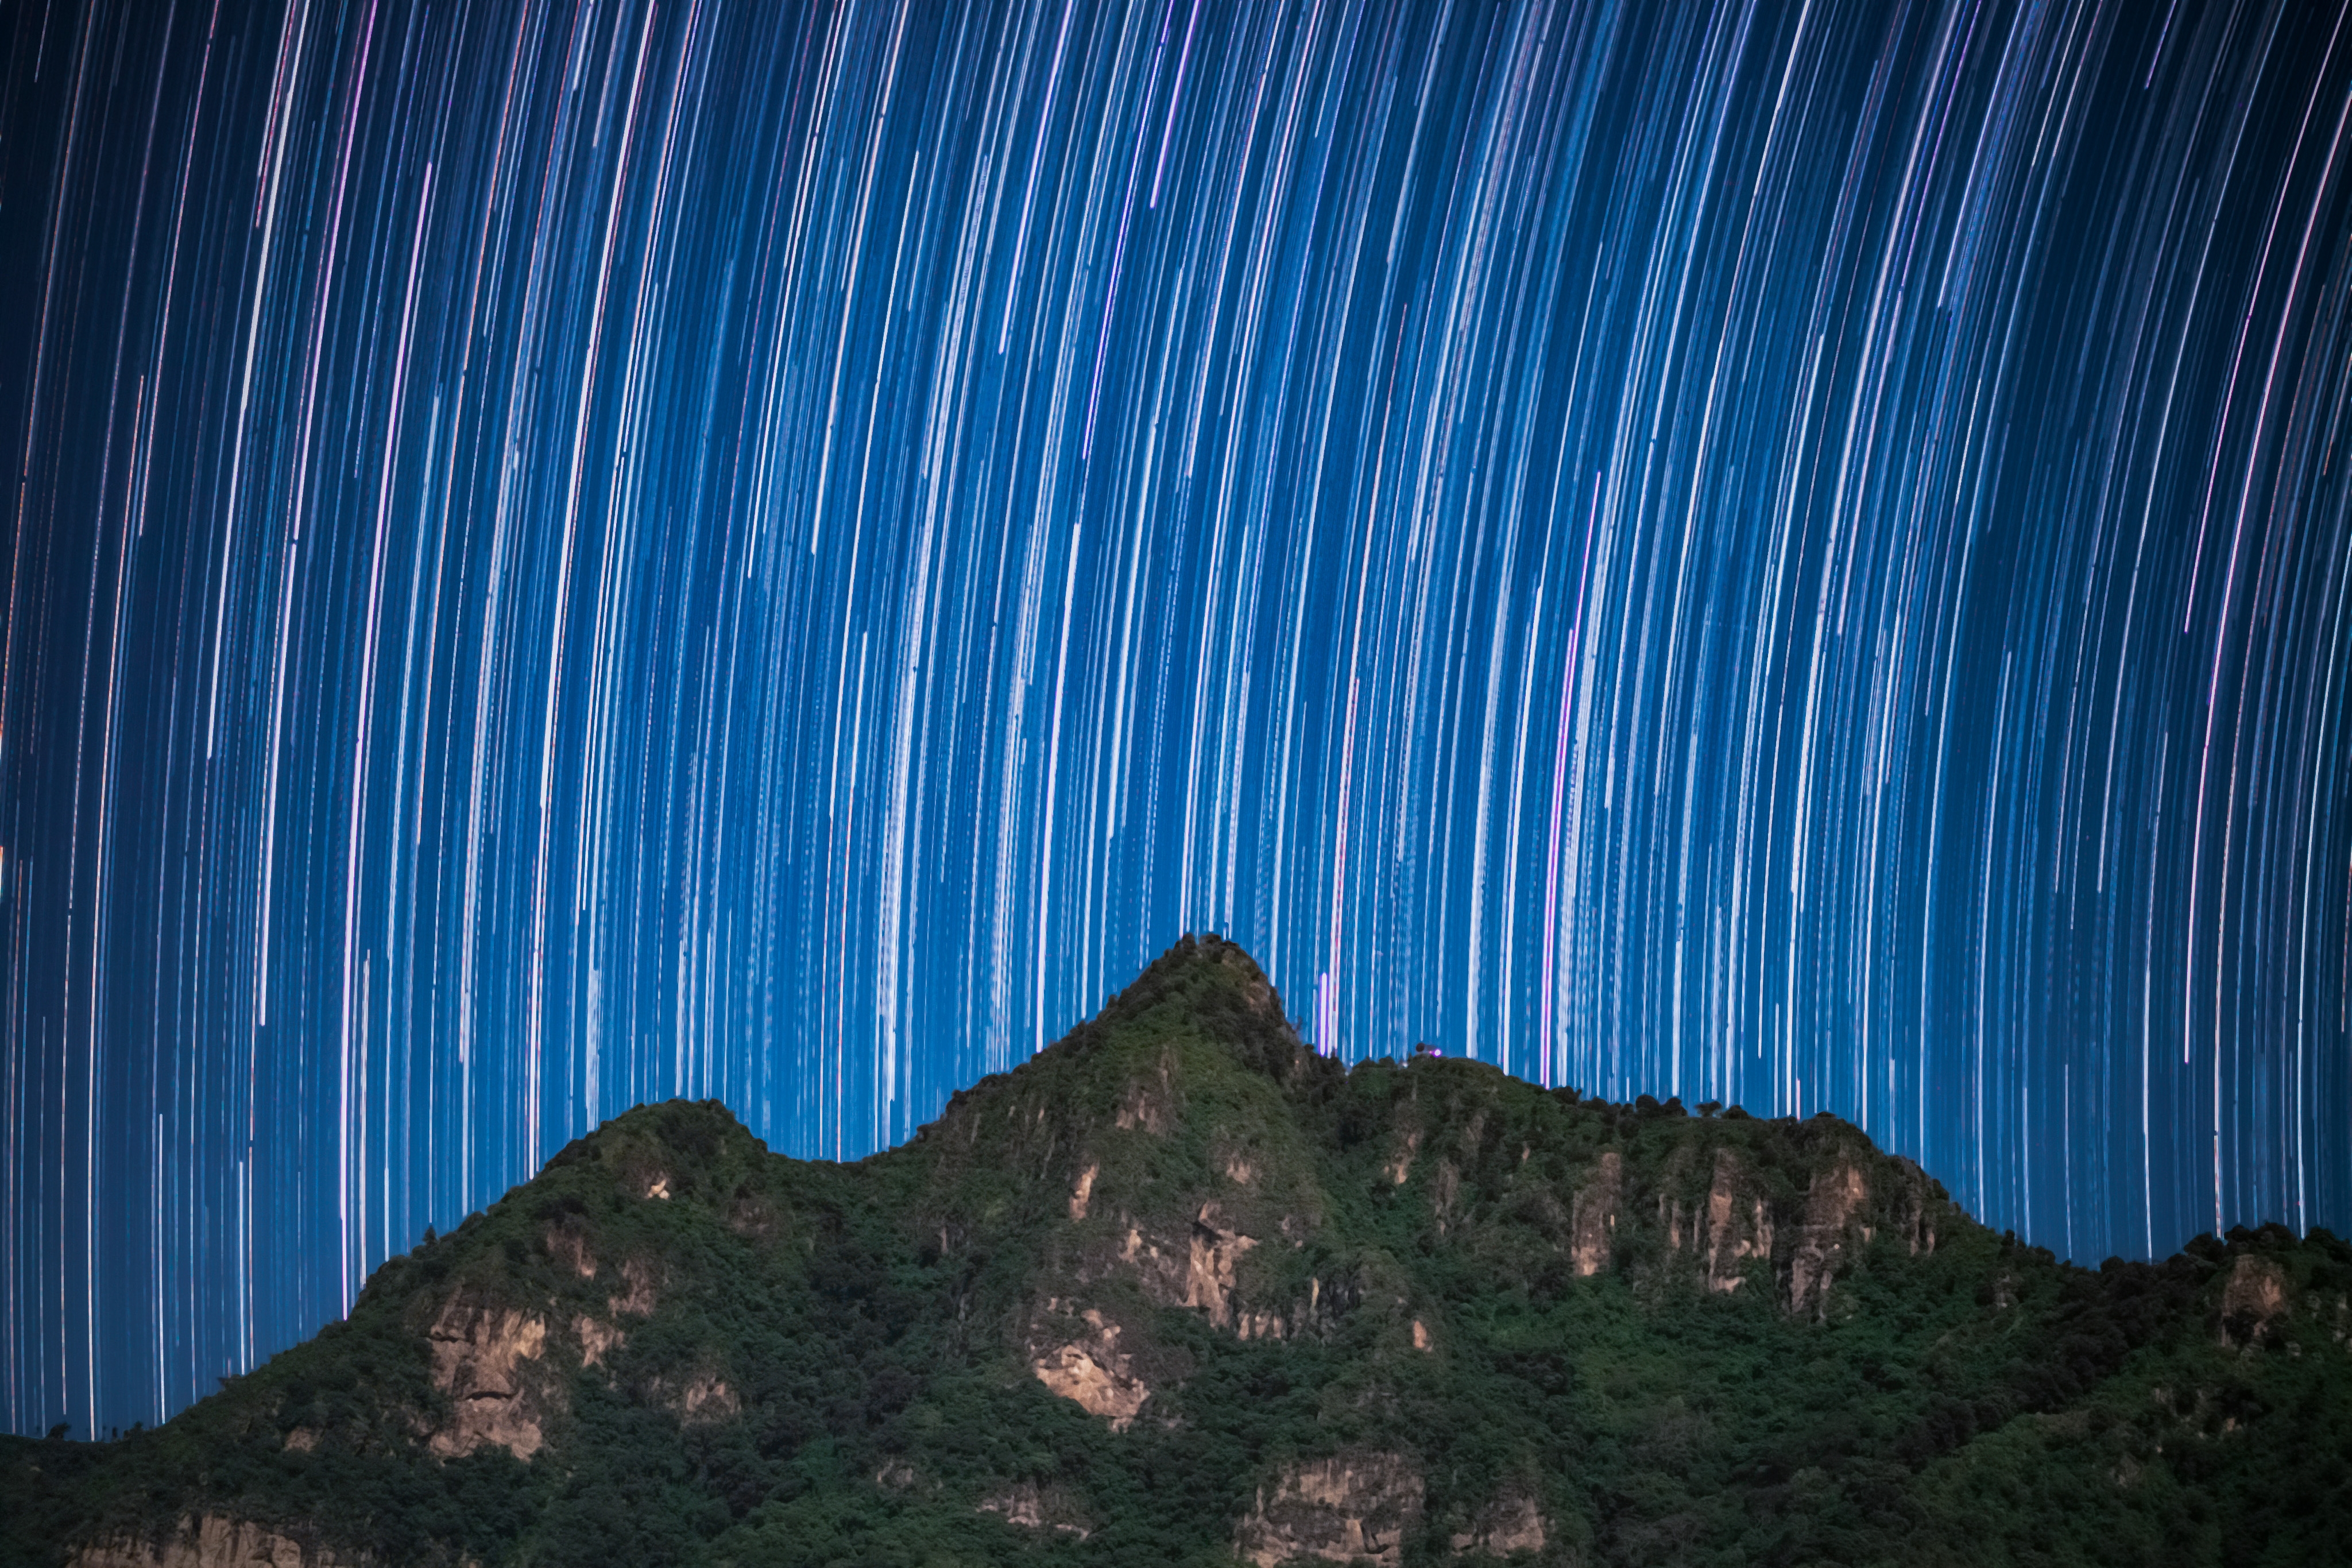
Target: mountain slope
1179, 1290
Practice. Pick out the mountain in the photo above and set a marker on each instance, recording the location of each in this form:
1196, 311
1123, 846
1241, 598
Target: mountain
1180, 1291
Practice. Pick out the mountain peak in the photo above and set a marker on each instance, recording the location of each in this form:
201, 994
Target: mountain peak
666, 1149
1211, 987
1179, 1288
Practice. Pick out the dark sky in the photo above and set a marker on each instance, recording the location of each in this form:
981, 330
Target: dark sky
564, 555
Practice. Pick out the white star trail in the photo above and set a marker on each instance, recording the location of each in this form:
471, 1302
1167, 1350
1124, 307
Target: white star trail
562, 554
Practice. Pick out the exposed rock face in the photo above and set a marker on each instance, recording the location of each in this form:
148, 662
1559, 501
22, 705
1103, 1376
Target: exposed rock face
1739, 1225
1592, 1224
1838, 1193
1444, 1191
1400, 1164
1224, 1189
1092, 1370
597, 1340
1151, 1104
1033, 1508
1735, 1225
705, 1401
1911, 1216
1510, 1523
1204, 1275
2254, 1297
481, 1355
1261, 1325
1325, 1301
568, 1245
1393, 1218
1356, 1505
638, 1299
1213, 1257
210, 1540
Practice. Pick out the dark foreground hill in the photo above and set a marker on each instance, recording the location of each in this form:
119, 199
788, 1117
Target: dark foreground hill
1180, 1290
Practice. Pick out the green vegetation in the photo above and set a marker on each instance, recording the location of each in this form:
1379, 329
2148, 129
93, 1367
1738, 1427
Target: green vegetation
1660, 1338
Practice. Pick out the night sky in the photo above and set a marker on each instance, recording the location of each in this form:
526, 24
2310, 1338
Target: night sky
564, 555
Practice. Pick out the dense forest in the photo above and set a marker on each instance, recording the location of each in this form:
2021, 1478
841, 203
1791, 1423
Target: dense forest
1180, 1290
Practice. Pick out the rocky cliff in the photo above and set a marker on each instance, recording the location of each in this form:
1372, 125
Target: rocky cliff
1180, 1290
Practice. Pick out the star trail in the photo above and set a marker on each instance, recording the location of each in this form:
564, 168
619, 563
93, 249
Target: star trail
564, 554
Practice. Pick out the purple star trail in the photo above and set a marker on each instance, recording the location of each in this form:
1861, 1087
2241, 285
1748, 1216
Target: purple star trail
559, 555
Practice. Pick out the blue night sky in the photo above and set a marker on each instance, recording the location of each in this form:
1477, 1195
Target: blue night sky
563, 554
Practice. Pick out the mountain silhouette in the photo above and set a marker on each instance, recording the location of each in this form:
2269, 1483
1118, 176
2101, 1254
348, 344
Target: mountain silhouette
1180, 1290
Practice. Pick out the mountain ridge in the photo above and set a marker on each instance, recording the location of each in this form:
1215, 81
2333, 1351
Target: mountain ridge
1178, 1288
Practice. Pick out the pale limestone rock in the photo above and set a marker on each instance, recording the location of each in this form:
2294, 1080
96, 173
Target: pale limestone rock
1592, 1224
1260, 1325
1443, 1190
1739, 1227
1083, 1194
639, 1300
1212, 1262
1400, 1164
1909, 1207
567, 1246
1151, 1105
597, 1340
1352, 1506
1203, 1275
1510, 1523
481, 1357
2256, 1296
1837, 1194
705, 1401
1094, 1372
210, 1540
1034, 1508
